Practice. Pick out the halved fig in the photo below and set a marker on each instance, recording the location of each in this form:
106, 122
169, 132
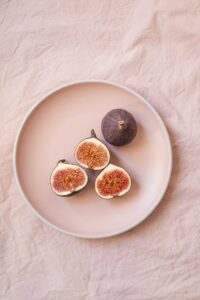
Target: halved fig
112, 182
91, 153
67, 179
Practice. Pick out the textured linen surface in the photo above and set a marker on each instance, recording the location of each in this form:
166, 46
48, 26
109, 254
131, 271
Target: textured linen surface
153, 47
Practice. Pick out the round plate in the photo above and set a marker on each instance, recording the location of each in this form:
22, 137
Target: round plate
51, 132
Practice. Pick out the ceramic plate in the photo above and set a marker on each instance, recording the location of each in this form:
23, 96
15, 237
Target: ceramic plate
51, 132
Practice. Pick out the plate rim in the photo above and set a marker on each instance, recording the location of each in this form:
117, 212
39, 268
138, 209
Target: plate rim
141, 98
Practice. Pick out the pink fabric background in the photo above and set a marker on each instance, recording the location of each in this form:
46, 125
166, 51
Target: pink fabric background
153, 47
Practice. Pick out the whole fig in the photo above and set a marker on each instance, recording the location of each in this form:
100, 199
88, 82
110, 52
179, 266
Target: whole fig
119, 127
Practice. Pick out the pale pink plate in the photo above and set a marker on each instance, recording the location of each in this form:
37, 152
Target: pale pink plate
52, 130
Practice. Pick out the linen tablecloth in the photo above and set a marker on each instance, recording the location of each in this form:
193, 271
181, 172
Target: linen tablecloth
153, 47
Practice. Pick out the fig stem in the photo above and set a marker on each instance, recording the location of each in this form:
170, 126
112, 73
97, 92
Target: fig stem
121, 124
93, 134
62, 161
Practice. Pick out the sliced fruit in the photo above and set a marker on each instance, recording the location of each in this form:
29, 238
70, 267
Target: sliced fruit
112, 182
119, 127
67, 179
91, 153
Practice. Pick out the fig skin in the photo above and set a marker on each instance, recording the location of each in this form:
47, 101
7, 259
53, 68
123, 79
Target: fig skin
92, 136
119, 127
64, 161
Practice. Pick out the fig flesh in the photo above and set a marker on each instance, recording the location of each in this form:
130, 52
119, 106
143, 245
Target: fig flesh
91, 153
112, 182
67, 179
119, 127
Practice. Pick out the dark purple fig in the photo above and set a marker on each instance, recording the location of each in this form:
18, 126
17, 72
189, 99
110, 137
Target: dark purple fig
119, 127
